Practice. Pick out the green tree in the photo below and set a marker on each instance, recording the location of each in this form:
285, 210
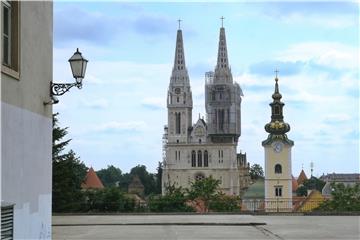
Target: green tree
110, 199
147, 179
256, 172
225, 203
110, 176
68, 173
344, 198
314, 183
174, 200
158, 178
301, 191
205, 189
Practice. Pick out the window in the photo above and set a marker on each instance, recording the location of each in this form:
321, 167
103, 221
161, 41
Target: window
206, 159
199, 158
177, 122
276, 110
9, 34
177, 99
193, 158
278, 169
278, 191
199, 177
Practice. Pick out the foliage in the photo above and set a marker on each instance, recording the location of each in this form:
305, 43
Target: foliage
174, 200
68, 173
147, 179
256, 172
225, 203
109, 199
110, 177
301, 191
314, 183
344, 198
158, 178
204, 189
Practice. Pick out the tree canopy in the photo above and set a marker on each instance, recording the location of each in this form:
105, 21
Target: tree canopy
256, 171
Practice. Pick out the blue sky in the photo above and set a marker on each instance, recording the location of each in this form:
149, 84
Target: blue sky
119, 115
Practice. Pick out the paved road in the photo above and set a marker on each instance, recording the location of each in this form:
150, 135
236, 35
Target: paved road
222, 227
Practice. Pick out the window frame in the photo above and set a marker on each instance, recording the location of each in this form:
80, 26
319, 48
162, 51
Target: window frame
278, 168
6, 5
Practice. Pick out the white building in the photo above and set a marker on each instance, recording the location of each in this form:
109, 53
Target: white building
206, 148
26, 123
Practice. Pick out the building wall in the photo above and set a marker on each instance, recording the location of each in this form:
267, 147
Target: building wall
26, 125
181, 173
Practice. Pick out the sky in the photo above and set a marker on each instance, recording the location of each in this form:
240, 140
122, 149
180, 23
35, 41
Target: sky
118, 117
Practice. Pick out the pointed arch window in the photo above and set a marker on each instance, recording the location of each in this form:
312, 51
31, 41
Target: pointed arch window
206, 159
177, 122
193, 158
278, 169
199, 160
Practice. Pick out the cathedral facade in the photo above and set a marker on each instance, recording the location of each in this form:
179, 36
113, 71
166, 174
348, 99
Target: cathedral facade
193, 151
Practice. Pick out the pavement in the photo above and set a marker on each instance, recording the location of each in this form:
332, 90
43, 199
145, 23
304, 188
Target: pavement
205, 227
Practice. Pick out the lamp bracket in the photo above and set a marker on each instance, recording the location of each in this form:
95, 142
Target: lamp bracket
58, 89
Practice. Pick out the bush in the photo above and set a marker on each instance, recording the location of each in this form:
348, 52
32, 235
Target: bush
173, 201
225, 203
107, 200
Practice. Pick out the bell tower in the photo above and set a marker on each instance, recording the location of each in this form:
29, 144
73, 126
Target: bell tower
223, 99
278, 180
179, 97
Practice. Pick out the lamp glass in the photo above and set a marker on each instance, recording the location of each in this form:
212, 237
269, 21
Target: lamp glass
78, 66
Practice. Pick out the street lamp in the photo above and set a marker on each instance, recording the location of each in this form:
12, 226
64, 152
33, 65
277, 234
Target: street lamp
78, 67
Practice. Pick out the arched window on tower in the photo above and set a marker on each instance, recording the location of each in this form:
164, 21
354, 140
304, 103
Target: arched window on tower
278, 169
206, 159
199, 159
193, 158
177, 122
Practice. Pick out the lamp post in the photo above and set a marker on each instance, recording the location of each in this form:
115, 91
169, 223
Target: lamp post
78, 67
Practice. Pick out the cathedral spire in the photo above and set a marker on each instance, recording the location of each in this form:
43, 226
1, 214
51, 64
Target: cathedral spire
179, 73
222, 69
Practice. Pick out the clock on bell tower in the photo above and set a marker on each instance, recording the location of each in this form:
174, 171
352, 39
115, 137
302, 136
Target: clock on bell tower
278, 180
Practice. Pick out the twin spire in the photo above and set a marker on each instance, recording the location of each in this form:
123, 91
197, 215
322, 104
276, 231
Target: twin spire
222, 69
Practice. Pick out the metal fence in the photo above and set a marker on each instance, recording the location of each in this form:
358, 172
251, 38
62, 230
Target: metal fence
280, 205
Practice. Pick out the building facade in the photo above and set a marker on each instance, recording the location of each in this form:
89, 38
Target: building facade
278, 178
26, 123
207, 148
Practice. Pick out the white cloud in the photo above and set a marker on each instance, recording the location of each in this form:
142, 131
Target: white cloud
96, 103
154, 102
332, 54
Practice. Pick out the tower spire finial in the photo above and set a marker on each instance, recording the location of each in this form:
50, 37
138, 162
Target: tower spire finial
222, 21
179, 20
276, 74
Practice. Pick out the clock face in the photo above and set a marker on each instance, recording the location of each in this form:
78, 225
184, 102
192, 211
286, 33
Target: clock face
278, 146
177, 90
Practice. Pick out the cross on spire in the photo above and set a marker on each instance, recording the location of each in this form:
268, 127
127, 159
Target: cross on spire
179, 20
276, 73
222, 21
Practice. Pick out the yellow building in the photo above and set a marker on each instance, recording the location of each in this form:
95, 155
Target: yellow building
278, 178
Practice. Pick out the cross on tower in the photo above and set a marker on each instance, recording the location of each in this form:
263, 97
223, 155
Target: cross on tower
179, 20
222, 21
276, 73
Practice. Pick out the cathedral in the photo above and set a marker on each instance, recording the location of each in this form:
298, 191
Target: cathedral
193, 151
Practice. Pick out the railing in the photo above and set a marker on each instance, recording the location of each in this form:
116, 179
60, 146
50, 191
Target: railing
280, 205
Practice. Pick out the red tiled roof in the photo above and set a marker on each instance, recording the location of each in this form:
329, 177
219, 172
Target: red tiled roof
302, 177
294, 184
92, 180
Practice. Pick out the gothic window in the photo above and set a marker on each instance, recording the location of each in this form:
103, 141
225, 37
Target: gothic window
177, 122
199, 177
179, 155
177, 99
221, 119
193, 158
278, 169
278, 191
199, 159
176, 155
206, 159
